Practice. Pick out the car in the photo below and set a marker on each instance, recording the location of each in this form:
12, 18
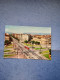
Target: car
27, 47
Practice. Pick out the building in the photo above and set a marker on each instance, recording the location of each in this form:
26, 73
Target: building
16, 35
24, 37
43, 39
36, 39
7, 37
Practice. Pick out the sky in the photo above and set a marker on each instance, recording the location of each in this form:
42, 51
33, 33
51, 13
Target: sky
27, 29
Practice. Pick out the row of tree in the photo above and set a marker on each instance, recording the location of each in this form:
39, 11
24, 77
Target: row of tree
7, 42
14, 37
33, 42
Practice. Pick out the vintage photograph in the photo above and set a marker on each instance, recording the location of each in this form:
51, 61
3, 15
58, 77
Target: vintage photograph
27, 42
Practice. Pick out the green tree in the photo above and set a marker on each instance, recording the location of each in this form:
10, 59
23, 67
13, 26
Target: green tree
26, 41
7, 42
50, 51
32, 42
10, 39
38, 43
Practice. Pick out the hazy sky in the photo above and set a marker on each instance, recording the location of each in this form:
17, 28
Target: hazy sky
27, 29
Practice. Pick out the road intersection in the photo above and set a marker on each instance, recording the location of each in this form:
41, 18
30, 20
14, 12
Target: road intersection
29, 54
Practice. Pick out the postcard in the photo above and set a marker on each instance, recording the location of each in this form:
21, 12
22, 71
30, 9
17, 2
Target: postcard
27, 42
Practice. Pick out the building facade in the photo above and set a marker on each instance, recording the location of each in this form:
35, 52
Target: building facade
7, 37
24, 37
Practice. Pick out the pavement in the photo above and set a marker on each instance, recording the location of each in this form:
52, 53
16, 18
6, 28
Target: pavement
18, 56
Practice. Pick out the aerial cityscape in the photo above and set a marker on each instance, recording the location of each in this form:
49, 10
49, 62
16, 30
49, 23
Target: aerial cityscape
27, 42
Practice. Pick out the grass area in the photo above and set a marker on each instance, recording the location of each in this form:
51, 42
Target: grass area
47, 51
39, 48
7, 50
37, 45
8, 55
9, 46
47, 56
30, 45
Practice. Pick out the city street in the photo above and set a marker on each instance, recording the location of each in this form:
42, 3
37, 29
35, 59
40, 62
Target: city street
22, 52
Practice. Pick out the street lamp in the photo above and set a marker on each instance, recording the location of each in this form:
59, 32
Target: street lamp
46, 42
40, 48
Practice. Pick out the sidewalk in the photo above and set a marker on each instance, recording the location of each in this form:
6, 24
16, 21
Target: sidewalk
18, 56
